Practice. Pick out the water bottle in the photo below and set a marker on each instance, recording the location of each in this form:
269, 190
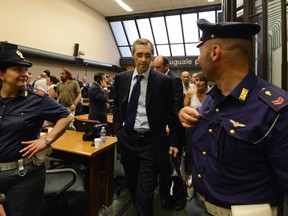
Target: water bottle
103, 135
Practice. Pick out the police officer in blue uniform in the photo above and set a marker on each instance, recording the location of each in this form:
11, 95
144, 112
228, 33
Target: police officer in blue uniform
22, 113
240, 139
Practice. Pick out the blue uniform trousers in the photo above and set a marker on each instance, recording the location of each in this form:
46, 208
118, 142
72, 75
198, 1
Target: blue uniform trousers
23, 193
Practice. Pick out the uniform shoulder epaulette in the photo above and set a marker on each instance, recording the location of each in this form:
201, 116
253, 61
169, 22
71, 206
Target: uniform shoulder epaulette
36, 91
274, 98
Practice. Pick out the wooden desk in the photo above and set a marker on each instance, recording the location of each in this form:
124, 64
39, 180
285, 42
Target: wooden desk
71, 143
85, 116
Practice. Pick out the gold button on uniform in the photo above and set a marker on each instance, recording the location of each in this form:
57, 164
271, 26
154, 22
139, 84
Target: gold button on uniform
232, 131
217, 110
204, 153
210, 130
199, 176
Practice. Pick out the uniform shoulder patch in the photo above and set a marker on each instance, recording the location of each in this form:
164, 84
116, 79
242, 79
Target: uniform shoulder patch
37, 92
274, 98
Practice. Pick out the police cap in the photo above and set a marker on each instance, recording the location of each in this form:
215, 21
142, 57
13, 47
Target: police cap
237, 30
13, 57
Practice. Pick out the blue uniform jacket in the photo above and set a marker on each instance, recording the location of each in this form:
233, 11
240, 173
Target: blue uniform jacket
240, 145
21, 119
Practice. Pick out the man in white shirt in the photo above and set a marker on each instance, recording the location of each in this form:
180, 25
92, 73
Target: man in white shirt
41, 84
185, 76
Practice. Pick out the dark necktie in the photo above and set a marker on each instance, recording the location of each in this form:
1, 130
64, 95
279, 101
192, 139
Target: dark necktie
133, 105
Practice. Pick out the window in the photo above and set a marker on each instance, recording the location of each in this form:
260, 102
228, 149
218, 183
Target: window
174, 33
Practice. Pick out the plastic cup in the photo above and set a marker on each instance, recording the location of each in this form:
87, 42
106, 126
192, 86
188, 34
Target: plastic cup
97, 142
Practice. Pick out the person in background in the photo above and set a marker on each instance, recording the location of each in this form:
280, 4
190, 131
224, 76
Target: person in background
111, 89
41, 84
141, 127
161, 64
52, 89
193, 79
30, 81
79, 106
69, 93
194, 98
23, 111
36, 79
86, 86
185, 77
97, 94
240, 140
47, 72
51, 81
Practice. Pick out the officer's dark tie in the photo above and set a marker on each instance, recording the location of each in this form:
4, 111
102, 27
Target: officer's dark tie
133, 105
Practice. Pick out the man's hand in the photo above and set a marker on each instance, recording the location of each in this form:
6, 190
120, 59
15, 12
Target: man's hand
188, 116
103, 84
173, 151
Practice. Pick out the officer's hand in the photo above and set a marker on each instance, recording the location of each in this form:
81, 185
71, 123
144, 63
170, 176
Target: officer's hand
188, 116
173, 151
32, 147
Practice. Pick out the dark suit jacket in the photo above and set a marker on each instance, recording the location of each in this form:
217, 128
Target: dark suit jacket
177, 90
85, 90
97, 103
160, 108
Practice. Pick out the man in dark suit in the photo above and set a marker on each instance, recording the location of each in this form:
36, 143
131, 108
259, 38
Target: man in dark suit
97, 94
161, 64
145, 147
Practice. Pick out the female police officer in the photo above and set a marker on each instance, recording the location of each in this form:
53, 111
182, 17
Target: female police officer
22, 113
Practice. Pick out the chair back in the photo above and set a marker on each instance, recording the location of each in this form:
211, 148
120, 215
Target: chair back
63, 180
83, 124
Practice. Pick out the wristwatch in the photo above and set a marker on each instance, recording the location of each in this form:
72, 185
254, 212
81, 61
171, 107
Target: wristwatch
47, 142
2, 198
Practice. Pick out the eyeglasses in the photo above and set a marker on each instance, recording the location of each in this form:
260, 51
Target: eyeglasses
141, 55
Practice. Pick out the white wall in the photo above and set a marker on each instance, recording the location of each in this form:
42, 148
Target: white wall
55, 26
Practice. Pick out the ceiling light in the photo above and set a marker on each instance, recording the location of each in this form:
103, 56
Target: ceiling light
211, 0
124, 5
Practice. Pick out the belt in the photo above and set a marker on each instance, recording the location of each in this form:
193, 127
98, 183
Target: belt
214, 209
15, 164
141, 133
217, 210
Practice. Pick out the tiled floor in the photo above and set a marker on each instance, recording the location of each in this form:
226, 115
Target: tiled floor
121, 206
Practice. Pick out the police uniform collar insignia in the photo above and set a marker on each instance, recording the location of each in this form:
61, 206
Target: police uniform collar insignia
237, 124
26, 93
38, 92
243, 94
